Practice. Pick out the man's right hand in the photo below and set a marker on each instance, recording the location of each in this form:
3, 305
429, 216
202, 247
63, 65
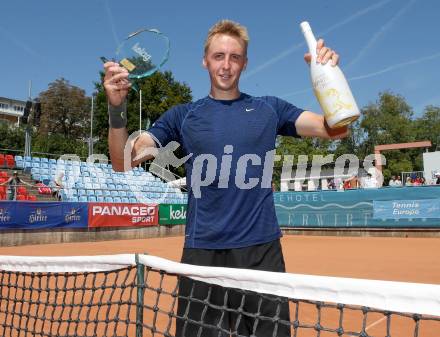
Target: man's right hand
116, 83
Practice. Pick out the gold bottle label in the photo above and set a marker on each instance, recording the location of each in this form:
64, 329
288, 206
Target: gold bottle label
332, 102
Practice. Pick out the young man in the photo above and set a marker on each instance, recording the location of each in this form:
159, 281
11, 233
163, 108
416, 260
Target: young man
231, 222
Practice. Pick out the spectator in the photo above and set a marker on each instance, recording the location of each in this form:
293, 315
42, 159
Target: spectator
57, 185
408, 181
352, 182
331, 184
437, 175
369, 181
398, 182
392, 182
13, 183
422, 181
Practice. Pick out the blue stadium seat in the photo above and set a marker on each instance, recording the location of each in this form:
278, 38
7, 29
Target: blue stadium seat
96, 186
44, 160
98, 193
91, 199
45, 179
115, 194
122, 194
107, 193
126, 200
79, 184
117, 199
90, 193
100, 199
71, 191
73, 199
83, 198
36, 159
88, 186
133, 200
108, 199
19, 163
112, 187
35, 164
19, 158
52, 161
82, 192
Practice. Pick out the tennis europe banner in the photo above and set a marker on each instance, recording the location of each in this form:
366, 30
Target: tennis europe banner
122, 215
361, 208
172, 214
407, 209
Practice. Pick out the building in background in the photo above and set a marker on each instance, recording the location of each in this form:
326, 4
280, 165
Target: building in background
11, 110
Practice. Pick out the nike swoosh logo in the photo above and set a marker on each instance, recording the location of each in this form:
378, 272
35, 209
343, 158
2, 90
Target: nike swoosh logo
249, 109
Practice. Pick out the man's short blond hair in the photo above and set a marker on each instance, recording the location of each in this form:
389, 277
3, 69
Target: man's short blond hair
228, 27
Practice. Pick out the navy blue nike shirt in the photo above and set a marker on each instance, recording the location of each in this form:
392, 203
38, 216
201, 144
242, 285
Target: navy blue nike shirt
232, 144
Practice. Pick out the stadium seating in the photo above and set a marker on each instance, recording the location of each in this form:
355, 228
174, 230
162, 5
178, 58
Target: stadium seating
86, 182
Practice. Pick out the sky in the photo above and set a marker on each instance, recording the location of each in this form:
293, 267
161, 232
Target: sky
384, 44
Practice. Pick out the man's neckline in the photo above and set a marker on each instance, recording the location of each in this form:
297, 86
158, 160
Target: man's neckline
227, 101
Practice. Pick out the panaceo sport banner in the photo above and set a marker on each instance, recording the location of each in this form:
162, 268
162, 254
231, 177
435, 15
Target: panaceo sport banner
36, 215
172, 214
122, 215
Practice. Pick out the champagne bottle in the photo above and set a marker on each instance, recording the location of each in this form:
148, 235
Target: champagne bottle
330, 87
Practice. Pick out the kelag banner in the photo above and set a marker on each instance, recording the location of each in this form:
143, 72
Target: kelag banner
354, 208
407, 209
122, 215
172, 214
35, 215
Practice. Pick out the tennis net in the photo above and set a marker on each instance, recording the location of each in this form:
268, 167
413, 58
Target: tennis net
143, 295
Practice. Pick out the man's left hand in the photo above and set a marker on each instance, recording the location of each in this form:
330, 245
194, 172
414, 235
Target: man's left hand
324, 54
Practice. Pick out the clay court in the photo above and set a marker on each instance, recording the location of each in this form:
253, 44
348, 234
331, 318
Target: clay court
383, 258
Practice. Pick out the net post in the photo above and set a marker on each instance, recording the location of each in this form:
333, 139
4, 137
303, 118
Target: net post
140, 282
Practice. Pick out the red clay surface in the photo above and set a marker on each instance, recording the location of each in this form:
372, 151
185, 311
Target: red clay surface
395, 259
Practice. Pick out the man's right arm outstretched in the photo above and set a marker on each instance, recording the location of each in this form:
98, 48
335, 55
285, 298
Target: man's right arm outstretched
116, 86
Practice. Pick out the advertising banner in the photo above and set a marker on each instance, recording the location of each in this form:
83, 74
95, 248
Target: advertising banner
172, 214
37, 215
389, 207
122, 214
407, 209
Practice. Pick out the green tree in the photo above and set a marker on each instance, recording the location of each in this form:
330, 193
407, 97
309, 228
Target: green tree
65, 110
352, 143
11, 137
428, 126
389, 121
